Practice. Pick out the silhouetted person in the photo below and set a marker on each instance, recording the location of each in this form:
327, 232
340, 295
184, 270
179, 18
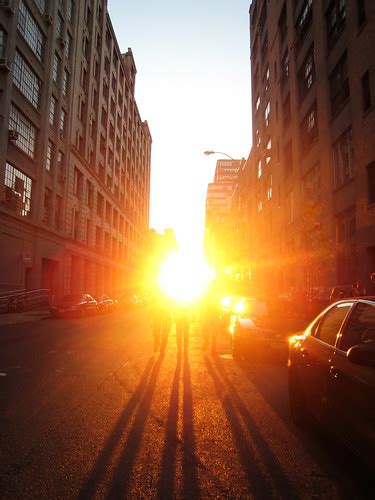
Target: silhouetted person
161, 321
211, 322
182, 319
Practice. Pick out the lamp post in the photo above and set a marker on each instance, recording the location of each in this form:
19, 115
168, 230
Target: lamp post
208, 153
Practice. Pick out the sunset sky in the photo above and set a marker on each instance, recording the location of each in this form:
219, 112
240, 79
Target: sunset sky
193, 88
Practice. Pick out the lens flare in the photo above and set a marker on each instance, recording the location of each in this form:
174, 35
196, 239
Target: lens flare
184, 277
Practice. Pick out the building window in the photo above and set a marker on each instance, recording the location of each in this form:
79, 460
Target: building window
77, 182
257, 103
311, 185
55, 67
90, 194
98, 237
366, 92
62, 122
288, 159
269, 187
70, 10
284, 69
41, 4
68, 45
17, 191
52, 110
335, 21
50, 155
303, 23
30, 31
309, 128
267, 111
259, 171
259, 203
371, 182
60, 163
99, 205
361, 13
266, 79
108, 212
47, 206
59, 26
306, 74
339, 86
26, 80
267, 151
3, 38
65, 83
343, 159
26, 132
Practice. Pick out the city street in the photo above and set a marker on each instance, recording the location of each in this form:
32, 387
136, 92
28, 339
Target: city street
87, 411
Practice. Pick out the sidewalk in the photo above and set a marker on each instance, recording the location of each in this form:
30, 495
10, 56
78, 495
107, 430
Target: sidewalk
23, 317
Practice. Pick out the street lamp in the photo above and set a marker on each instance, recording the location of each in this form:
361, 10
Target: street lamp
208, 153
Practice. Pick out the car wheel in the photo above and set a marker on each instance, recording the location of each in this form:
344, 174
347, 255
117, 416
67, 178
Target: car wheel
297, 403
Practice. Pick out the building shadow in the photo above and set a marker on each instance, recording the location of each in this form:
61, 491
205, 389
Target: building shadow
167, 476
255, 453
88, 490
189, 459
119, 484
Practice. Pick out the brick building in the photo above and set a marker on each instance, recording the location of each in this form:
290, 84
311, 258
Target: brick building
313, 95
74, 151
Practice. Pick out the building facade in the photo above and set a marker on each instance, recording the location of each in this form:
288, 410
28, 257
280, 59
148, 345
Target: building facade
313, 95
74, 151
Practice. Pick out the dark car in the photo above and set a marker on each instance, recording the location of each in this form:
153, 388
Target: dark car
262, 326
332, 373
106, 304
75, 304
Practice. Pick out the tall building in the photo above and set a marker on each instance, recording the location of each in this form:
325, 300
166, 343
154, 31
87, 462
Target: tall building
218, 208
313, 96
74, 151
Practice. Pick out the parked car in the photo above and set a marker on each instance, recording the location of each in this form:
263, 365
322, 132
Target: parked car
106, 304
75, 304
332, 373
262, 325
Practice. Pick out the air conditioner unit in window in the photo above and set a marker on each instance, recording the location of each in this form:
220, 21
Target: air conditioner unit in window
12, 135
8, 5
4, 64
61, 42
48, 18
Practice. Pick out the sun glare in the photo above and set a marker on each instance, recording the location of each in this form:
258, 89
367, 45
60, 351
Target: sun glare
184, 277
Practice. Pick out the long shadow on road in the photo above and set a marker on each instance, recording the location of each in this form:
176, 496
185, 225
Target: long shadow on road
119, 484
92, 482
255, 453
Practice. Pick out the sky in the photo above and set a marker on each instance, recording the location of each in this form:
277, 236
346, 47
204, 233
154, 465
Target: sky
193, 88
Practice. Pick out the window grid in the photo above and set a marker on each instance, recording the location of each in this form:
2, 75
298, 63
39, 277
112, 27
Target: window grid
52, 110
55, 67
30, 31
65, 83
2, 43
26, 80
26, 131
41, 4
20, 186
49, 157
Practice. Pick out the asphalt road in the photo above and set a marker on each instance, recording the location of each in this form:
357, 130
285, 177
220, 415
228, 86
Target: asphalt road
87, 411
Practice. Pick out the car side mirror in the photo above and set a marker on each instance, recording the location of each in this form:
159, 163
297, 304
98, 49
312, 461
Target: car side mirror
362, 354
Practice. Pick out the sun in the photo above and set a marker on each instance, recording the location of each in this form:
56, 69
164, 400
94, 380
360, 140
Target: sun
184, 276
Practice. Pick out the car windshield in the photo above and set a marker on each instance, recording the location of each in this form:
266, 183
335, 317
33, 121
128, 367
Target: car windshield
254, 307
